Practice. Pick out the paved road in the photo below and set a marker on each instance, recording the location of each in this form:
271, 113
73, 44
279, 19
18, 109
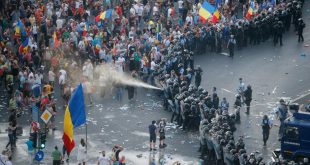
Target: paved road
273, 72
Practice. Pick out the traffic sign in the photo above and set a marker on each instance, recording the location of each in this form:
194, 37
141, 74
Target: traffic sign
39, 155
46, 116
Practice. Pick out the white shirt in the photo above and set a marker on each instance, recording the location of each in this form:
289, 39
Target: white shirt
59, 23
241, 87
136, 7
61, 71
30, 75
147, 8
38, 78
3, 159
131, 34
189, 19
87, 86
88, 70
8, 163
180, 4
62, 79
121, 60
65, 7
169, 12
77, 4
132, 11
140, 10
102, 54
152, 39
58, 13
34, 29
155, 9
51, 76
81, 155
81, 45
153, 65
103, 160
167, 42
120, 63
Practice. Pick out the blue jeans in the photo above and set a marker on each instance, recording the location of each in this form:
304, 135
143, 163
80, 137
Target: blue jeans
116, 163
119, 93
11, 140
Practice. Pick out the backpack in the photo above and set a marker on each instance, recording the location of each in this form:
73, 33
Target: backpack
265, 124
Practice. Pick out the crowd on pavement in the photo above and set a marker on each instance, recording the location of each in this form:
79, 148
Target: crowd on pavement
46, 43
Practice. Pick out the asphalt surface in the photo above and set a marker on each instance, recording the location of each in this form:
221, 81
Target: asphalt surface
273, 72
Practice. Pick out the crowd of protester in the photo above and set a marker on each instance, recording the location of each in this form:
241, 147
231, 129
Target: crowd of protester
44, 43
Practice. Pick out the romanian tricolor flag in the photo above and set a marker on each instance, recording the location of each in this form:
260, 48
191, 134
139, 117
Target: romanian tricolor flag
24, 46
97, 48
56, 42
104, 15
250, 12
20, 29
86, 29
216, 16
206, 10
74, 117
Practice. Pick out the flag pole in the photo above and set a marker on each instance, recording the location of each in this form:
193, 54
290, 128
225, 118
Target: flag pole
85, 123
86, 135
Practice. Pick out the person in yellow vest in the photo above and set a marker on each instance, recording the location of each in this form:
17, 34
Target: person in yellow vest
159, 27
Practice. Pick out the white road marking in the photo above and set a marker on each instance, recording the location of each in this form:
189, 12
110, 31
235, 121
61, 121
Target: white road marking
300, 97
224, 53
228, 91
274, 90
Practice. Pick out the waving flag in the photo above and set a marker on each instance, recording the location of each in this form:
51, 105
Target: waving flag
250, 11
206, 11
104, 15
24, 46
56, 42
86, 29
216, 16
74, 117
218, 2
20, 28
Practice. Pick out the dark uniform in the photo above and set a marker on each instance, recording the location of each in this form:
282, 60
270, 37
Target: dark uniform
231, 46
248, 98
300, 29
266, 129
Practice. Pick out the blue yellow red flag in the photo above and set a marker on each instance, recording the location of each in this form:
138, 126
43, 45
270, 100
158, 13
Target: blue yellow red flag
206, 10
74, 117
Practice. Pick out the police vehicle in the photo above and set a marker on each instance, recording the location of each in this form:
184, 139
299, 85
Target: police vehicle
295, 143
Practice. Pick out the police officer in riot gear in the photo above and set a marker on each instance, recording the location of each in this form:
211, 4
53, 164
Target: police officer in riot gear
280, 31
198, 73
248, 98
300, 28
282, 113
231, 46
266, 126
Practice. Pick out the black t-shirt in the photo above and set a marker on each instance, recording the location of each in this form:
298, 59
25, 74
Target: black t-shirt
152, 129
162, 130
153, 31
117, 154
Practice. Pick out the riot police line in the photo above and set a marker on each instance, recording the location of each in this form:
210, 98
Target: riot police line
192, 107
267, 24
